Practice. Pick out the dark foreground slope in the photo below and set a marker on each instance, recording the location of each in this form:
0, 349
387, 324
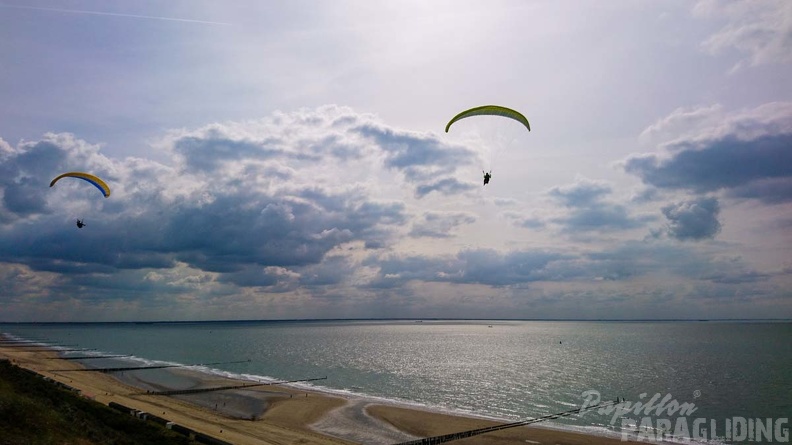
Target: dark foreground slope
34, 411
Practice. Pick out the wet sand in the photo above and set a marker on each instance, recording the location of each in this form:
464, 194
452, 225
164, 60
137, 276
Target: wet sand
275, 414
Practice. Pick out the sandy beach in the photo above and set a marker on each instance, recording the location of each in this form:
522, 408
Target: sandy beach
275, 414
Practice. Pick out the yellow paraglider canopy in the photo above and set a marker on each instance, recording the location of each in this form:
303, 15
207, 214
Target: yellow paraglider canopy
490, 110
98, 183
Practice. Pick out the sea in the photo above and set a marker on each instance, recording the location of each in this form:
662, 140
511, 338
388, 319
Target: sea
672, 381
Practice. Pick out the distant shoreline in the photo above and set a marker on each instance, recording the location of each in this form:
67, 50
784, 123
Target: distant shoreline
327, 320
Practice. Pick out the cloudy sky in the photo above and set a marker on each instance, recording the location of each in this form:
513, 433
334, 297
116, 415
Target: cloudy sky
274, 160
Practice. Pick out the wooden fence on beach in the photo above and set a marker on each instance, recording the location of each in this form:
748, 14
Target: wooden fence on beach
470, 433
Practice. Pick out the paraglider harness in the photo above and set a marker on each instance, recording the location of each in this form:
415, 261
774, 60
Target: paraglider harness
80, 224
487, 176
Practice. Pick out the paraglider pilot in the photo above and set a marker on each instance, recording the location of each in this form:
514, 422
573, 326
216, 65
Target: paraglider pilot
80, 224
487, 177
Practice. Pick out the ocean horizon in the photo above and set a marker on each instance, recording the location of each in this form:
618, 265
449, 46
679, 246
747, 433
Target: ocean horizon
717, 370
319, 320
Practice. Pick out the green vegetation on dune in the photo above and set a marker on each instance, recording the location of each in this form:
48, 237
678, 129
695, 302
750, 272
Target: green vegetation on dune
36, 412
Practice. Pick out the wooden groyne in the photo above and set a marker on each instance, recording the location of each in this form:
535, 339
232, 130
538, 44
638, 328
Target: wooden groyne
90, 357
110, 370
52, 349
138, 368
175, 392
470, 433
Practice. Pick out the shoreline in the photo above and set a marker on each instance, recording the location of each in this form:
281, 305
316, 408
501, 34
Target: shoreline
283, 414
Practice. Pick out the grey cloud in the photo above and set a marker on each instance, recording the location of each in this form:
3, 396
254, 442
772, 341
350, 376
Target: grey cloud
23, 197
588, 211
306, 135
627, 261
54, 248
634, 259
235, 230
333, 270
159, 218
532, 223
583, 193
489, 267
207, 152
693, 220
394, 271
405, 150
173, 230
229, 236
738, 277
520, 220
34, 160
447, 186
472, 267
370, 212
601, 217
26, 172
25, 176
726, 163
257, 276
333, 133
336, 146
440, 225
623, 262
644, 196
768, 191
123, 284
423, 160
97, 288
374, 244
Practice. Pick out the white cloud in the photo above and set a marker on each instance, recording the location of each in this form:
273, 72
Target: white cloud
760, 29
315, 205
681, 121
744, 152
